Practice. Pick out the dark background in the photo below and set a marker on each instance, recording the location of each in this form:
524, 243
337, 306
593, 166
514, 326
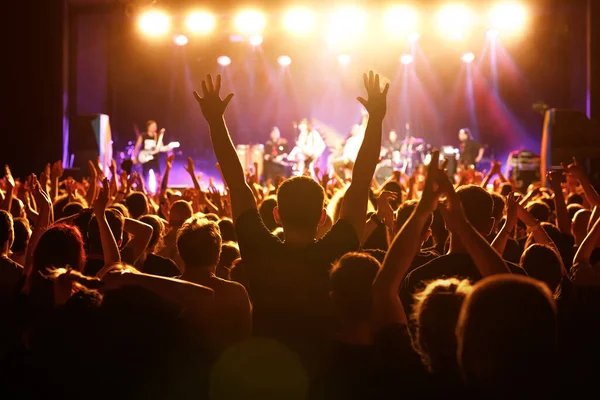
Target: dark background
68, 58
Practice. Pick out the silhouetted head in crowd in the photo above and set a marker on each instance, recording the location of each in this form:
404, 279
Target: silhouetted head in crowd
575, 198
212, 217
351, 280
61, 246
544, 264
71, 209
564, 243
199, 243
300, 202
580, 224
539, 210
115, 222
507, 337
227, 230
7, 232
266, 212
435, 314
478, 206
17, 208
230, 252
405, 211
137, 204
22, 234
158, 230
122, 208
574, 209
61, 201
180, 212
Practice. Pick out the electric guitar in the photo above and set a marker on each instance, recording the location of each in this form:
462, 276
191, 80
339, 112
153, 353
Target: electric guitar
148, 155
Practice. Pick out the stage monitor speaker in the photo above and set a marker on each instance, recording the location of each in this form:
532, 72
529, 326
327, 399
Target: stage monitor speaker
90, 139
567, 134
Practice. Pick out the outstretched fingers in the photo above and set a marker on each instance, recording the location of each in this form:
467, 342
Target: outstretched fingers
209, 81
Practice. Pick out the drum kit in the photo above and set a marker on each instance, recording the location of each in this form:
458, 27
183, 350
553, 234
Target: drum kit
412, 153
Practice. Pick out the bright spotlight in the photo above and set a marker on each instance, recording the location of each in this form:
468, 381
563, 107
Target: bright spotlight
180, 40
154, 23
255, 40
455, 21
299, 21
344, 59
346, 24
406, 59
413, 37
249, 22
492, 34
224, 61
508, 17
200, 22
400, 20
468, 58
284, 61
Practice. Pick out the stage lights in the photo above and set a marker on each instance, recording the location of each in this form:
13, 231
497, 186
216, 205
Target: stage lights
468, 58
413, 37
344, 59
180, 40
299, 21
492, 34
154, 23
508, 17
346, 24
250, 22
224, 61
454, 21
200, 22
255, 40
400, 20
284, 61
406, 59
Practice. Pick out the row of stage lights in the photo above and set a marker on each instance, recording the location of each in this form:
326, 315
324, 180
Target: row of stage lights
345, 59
453, 21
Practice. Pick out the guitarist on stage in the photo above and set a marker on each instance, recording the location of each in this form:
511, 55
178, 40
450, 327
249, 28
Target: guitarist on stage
149, 141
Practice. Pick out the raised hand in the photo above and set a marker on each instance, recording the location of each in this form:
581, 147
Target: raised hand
376, 104
496, 168
575, 170
385, 212
57, 170
211, 104
102, 200
431, 190
113, 168
555, 178
10, 181
189, 167
170, 159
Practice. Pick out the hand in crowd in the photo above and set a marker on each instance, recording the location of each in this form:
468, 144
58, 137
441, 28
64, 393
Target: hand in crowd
210, 102
376, 102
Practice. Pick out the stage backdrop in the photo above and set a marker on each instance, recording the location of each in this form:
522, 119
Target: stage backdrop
117, 71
